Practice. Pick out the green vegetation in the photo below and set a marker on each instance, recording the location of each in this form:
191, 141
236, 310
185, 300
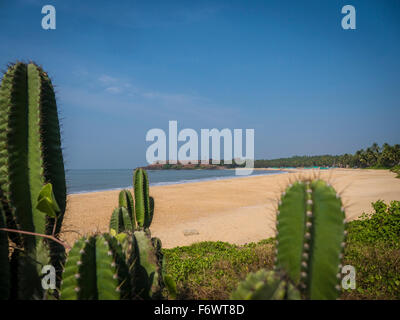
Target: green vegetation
380, 227
212, 270
386, 156
396, 169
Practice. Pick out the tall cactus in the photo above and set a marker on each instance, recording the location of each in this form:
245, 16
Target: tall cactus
30, 146
144, 204
310, 238
30, 156
96, 269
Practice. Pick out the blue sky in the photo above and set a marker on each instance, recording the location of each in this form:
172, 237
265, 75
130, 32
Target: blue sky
285, 68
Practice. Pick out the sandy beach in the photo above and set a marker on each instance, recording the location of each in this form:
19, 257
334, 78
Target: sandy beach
239, 210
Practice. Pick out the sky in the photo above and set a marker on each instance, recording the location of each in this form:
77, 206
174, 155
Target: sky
286, 69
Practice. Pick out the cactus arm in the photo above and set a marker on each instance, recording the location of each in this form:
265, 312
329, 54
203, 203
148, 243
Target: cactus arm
151, 202
147, 218
328, 235
70, 287
127, 222
106, 272
291, 230
114, 221
139, 198
147, 267
126, 200
123, 268
131, 208
142, 199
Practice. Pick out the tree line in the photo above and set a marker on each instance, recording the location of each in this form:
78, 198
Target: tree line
386, 156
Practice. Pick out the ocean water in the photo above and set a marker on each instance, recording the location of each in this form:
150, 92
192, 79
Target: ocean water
82, 180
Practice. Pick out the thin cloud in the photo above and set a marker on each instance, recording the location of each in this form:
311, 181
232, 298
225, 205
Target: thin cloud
106, 79
114, 90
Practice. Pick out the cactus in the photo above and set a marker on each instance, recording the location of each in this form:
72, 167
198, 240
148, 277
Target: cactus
120, 220
96, 269
123, 218
310, 240
144, 204
147, 266
139, 215
31, 146
105, 267
126, 201
265, 285
30, 157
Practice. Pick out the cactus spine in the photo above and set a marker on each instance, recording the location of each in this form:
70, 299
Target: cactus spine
30, 156
310, 240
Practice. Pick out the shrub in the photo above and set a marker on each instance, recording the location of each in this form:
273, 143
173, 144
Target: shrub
381, 226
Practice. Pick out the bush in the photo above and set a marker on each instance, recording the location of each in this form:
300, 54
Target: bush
396, 169
382, 226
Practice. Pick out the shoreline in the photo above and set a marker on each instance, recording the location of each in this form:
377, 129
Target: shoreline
167, 183
234, 210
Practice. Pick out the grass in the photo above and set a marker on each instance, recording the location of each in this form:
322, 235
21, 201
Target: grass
212, 270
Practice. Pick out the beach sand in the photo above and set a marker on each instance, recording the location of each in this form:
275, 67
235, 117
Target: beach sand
238, 210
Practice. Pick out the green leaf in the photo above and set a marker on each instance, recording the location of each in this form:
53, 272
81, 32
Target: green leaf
47, 202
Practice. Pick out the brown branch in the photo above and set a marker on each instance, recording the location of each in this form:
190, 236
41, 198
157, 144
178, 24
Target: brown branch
64, 244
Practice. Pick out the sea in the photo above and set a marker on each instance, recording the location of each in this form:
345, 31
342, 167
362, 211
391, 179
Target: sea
92, 180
